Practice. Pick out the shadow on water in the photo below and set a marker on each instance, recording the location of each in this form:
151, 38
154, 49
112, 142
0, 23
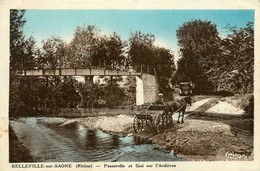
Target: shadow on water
91, 140
139, 141
115, 141
84, 145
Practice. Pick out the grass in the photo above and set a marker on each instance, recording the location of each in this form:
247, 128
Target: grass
240, 100
243, 101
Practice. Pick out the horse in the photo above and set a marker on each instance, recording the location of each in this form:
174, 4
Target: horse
177, 106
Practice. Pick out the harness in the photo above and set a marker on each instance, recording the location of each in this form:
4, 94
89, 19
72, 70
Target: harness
181, 106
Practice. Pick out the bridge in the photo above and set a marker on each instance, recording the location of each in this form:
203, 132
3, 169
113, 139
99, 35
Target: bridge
78, 72
146, 82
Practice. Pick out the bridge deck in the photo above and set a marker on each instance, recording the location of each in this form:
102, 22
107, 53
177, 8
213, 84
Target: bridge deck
78, 72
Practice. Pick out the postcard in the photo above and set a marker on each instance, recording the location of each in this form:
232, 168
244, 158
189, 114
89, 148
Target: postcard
139, 85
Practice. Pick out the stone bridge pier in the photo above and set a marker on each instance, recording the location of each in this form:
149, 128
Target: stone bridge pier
147, 89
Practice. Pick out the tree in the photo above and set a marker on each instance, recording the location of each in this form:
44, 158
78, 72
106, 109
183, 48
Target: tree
141, 48
200, 47
16, 57
17, 42
65, 94
164, 67
130, 90
237, 60
30, 54
114, 95
143, 51
53, 53
110, 52
83, 46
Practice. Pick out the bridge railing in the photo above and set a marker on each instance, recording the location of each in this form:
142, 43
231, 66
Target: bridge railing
101, 64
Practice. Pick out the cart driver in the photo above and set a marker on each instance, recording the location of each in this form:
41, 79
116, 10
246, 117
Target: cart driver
161, 99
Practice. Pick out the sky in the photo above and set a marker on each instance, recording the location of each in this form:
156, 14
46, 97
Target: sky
42, 24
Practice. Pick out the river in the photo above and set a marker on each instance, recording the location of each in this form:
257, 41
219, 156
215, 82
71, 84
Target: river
49, 143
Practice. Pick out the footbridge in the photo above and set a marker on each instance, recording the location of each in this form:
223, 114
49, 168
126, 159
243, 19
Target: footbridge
146, 81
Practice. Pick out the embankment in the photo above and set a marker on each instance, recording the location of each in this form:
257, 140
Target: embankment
17, 152
203, 140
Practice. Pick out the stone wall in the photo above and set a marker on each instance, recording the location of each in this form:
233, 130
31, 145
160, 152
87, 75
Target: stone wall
139, 91
147, 89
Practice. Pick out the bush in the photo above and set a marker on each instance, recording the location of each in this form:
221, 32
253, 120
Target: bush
17, 152
249, 109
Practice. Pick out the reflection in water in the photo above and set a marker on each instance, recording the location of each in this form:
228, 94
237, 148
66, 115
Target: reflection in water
91, 139
80, 144
139, 140
115, 141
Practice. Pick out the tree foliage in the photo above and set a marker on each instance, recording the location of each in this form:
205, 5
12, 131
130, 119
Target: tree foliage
209, 61
199, 42
141, 48
83, 46
110, 52
17, 41
53, 54
88, 48
164, 67
214, 63
237, 60
143, 51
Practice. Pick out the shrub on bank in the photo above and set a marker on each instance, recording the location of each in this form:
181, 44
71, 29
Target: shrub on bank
39, 97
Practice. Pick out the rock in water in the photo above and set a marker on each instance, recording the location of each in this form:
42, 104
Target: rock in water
69, 124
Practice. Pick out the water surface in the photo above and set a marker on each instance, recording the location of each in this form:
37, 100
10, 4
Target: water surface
49, 143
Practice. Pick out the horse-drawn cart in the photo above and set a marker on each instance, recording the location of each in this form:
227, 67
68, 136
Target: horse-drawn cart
152, 116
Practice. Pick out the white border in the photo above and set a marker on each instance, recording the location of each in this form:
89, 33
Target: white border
5, 6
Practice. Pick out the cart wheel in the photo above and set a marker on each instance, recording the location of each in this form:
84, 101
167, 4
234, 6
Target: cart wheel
166, 121
148, 123
138, 125
169, 120
159, 123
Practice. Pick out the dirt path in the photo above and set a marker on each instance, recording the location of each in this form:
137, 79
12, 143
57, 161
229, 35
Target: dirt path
243, 127
202, 139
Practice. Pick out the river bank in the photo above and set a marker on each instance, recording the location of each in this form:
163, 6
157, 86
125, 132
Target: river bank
204, 140
17, 152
